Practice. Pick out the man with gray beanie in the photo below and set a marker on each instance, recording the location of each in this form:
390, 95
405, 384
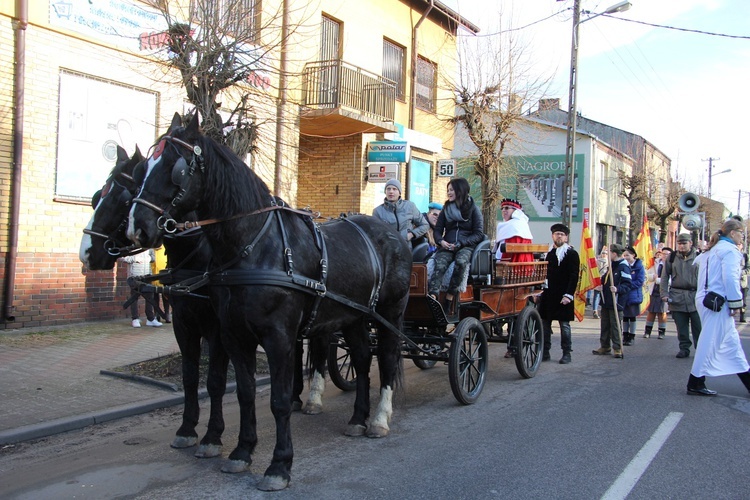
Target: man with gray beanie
402, 214
679, 282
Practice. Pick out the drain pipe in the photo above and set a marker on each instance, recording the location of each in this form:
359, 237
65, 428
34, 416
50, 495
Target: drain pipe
280, 111
414, 58
19, 77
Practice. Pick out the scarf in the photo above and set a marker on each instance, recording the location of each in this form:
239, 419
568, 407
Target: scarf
560, 252
454, 214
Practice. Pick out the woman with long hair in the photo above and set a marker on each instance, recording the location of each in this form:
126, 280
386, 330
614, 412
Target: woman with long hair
719, 351
458, 230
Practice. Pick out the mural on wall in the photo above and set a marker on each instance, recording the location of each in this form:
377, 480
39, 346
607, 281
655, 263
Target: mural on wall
537, 182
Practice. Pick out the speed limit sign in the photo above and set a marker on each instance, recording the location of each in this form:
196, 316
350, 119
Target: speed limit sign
446, 168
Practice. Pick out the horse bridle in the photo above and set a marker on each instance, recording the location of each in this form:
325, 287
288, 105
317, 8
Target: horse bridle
182, 172
111, 245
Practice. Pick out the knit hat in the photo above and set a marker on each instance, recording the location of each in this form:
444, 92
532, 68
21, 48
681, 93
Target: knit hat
395, 183
435, 206
509, 202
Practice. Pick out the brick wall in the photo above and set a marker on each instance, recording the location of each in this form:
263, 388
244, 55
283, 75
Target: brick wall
54, 289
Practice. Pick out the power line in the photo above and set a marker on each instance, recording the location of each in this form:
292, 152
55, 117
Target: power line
676, 28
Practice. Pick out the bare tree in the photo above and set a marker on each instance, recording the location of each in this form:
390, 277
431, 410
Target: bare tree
662, 206
495, 83
217, 50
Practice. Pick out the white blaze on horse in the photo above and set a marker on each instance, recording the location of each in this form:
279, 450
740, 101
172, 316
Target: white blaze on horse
278, 274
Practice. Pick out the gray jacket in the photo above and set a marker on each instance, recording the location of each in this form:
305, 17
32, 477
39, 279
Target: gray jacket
404, 216
679, 282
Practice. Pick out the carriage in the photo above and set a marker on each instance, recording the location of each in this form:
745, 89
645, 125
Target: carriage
497, 305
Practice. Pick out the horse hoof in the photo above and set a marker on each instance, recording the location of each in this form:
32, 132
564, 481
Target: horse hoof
355, 430
313, 409
296, 405
208, 451
272, 483
235, 466
180, 442
376, 431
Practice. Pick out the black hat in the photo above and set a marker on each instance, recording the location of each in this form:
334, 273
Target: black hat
560, 227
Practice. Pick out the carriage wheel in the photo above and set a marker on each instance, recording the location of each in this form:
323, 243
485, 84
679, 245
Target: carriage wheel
467, 365
528, 340
339, 365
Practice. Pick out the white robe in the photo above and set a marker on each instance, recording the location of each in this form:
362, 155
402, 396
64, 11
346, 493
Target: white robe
517, 225
719, 350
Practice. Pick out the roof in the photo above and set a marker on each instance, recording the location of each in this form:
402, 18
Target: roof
452, 15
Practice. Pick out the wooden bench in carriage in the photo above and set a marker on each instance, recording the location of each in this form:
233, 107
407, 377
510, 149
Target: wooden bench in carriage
499, 297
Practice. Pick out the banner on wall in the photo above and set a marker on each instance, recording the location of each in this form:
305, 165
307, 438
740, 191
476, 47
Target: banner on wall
381, 172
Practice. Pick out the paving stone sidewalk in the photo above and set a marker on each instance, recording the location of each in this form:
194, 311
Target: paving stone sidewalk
50, 376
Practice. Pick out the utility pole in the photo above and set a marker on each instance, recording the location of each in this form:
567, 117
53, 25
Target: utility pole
710, 167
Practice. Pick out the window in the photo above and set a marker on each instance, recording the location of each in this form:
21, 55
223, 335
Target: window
241, 17
96, 116
603, 175
426, 75
393, 66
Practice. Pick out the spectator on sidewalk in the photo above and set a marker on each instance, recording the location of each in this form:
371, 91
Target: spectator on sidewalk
657, 309
635, 296
140, 265
679, 282
159, 264
743, 280
616, 283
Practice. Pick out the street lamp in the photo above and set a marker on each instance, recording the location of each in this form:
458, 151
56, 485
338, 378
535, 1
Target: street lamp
711, 176
567, 213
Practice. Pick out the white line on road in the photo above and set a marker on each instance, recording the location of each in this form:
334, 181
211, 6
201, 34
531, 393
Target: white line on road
621, 488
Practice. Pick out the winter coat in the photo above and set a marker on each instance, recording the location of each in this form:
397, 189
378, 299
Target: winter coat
562, 280
404, 216
464, 233
623, 282
638, 277
140, 263
679, 281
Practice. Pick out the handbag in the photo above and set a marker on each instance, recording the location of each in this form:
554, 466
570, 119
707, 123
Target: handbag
712, 300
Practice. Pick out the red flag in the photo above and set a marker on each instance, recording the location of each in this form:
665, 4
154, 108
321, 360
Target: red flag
645, 252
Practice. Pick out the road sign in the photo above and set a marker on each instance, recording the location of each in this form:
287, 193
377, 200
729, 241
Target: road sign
446, 168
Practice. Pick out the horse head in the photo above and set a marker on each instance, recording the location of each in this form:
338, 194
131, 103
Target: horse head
171, 184
104, 239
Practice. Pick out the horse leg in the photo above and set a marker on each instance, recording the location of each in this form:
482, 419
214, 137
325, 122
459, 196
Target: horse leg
389, 363
190, 349
298, 374
279, 350
216, 384
240, 458
318, 359
358, 341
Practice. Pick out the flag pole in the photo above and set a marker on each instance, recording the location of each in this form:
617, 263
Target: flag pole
614, 303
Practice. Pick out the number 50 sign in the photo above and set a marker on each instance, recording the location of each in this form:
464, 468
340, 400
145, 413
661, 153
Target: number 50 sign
446, 168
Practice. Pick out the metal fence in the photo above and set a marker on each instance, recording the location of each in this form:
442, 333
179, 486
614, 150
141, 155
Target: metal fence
331, 84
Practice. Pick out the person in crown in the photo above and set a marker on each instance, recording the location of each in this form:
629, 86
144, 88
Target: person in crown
514, 228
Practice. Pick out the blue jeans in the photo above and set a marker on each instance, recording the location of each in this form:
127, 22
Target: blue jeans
595, 301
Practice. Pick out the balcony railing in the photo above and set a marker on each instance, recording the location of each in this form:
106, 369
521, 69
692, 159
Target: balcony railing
332, 84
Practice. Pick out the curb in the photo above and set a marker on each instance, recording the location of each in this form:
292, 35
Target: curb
76, 422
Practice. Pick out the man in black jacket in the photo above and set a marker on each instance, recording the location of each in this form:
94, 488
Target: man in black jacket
556, 302
616, 283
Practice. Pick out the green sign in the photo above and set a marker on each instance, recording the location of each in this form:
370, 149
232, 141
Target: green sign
537, 182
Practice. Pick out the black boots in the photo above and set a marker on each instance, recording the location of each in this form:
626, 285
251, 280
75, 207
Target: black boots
697, 386
661, 333
647, 332
745, 377
565, 358
628, 338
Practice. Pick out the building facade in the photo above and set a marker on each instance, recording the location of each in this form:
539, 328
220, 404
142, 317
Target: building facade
79, 78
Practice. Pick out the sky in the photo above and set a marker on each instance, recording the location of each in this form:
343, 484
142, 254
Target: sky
687, 93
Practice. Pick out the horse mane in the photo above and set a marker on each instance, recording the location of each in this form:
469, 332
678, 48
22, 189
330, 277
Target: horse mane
236, 188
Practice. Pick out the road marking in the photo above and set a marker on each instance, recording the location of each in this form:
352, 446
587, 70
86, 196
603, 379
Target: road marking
635, 469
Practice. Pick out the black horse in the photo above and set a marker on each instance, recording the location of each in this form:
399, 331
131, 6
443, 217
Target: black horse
104, 241
278, 275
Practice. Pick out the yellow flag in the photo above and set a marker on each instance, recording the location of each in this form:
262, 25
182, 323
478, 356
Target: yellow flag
646, 253
588, 277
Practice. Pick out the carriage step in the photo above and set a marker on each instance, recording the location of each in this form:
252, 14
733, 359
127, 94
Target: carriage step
437, 311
